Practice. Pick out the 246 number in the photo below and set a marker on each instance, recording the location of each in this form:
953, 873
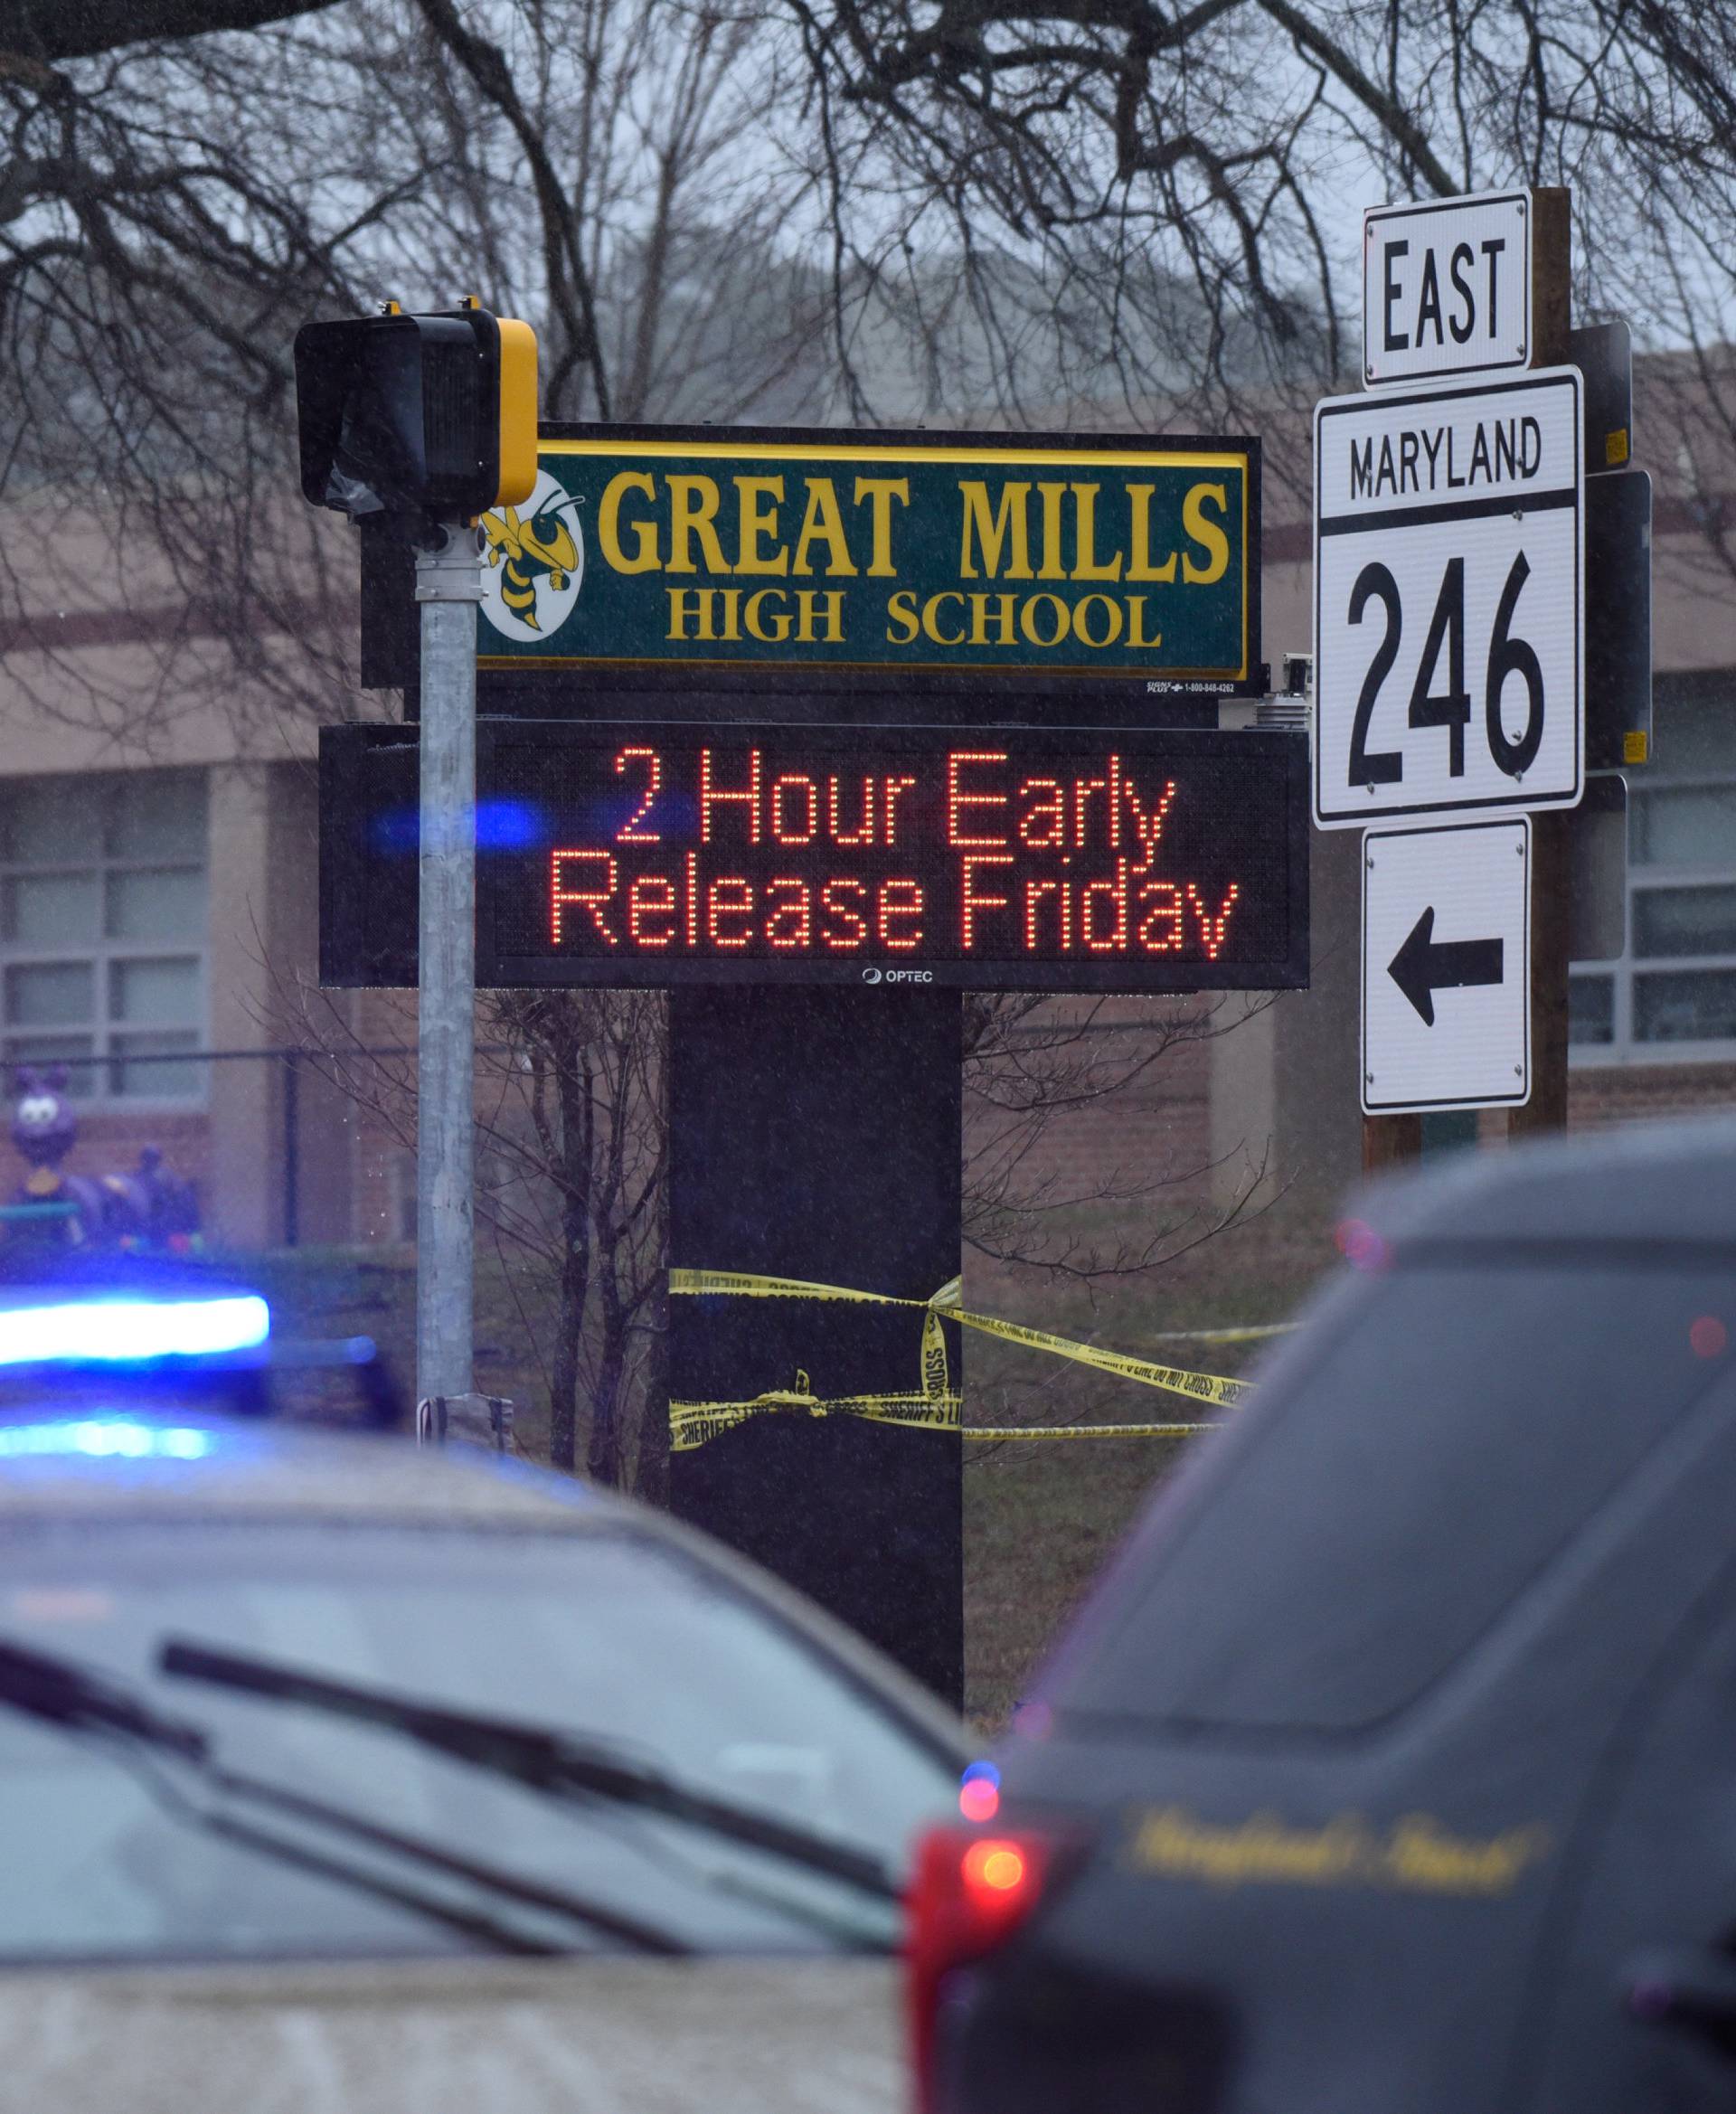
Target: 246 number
1451, 707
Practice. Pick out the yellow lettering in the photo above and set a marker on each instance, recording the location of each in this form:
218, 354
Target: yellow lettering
931, 619
693, 512
1136, 626
1112, 620
1053, 566
753, 520
779, 619
900, 609
731, 597
1028, 620
1206, 534
880, 493
690, 603
643, 532
808, 609
1139, 566
822, 522
1086, 566
980, 620
1010, 524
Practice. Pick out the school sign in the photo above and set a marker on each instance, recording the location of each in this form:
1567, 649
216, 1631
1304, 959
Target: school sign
1080, 558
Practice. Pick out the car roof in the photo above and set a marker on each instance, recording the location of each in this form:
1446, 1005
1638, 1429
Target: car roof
165, 1459
97, 1467
1638, 1185
153, 1462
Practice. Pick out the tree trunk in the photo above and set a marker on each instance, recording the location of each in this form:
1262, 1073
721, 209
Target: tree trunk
563, 1374
603, 1463
651, 1469
573, 1087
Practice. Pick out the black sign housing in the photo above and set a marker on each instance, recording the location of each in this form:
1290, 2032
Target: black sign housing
631, 852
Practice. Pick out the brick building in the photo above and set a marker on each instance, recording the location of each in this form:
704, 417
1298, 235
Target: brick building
158, 898
158, 892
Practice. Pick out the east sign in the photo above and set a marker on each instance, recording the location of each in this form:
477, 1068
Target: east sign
1445, 288
1080, 561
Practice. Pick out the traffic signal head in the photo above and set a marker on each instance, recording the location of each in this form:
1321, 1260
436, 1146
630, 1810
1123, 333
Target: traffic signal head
432, 416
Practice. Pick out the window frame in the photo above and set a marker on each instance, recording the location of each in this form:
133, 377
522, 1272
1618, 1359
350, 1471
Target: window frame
1625, 970
104, 953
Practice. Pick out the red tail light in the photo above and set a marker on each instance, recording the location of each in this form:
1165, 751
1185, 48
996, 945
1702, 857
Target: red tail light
970, 1891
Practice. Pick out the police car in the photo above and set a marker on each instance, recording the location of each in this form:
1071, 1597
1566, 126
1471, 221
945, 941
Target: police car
338, 1774
1392, 1770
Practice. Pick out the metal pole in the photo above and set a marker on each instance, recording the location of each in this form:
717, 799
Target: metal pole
448, 586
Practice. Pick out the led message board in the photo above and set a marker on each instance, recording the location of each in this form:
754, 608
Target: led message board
635, 853
1076, 559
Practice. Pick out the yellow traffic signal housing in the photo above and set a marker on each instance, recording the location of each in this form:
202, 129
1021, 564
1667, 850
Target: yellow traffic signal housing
517, 478
431, 416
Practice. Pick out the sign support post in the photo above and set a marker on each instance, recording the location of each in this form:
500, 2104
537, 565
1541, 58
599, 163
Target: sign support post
1550, 879
1546, 1110
1389, 1142
448, 587
815, 1134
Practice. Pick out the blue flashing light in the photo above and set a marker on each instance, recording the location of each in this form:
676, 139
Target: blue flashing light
114, 1332
508, 826
983, 1772
500, 825
103, 1438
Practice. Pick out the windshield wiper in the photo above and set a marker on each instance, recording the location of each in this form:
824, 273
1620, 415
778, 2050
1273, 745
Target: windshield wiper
64, 1693
555, 1763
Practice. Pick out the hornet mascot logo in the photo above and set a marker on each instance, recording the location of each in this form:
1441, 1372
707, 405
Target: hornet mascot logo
536, 560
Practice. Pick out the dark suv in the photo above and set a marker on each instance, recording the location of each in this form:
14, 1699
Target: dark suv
1392, 1767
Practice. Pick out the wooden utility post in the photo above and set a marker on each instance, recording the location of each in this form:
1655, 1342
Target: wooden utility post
1551, 238
1547, 1107
1390, 1141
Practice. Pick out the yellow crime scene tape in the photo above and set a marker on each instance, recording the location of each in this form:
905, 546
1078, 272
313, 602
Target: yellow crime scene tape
937, 1404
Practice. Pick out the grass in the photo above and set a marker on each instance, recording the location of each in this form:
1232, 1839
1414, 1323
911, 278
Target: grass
1040, 1517
332, 1292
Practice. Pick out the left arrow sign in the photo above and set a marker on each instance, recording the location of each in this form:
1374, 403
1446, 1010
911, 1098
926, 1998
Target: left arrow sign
1425, 964
1445, 910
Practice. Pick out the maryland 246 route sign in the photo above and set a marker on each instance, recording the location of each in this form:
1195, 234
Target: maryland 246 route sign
1448, 568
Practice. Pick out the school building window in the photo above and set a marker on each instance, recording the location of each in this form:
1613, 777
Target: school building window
1673, 993
103, 917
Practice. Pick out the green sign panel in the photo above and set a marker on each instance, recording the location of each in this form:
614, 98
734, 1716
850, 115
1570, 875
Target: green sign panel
1071, 559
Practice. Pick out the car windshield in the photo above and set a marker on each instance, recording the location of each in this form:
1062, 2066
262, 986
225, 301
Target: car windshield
1431, 1463
609, 1635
